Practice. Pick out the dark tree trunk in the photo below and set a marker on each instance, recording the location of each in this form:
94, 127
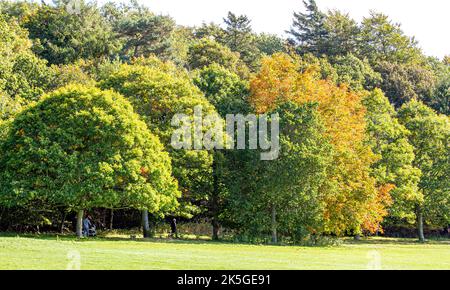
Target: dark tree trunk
274, 225
420, 224
79, 228
111, 220
145, 224
216, 229
63, 220
215, 199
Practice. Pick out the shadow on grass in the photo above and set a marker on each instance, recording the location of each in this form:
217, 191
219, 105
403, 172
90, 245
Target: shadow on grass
73, 238
192, 241
396, 241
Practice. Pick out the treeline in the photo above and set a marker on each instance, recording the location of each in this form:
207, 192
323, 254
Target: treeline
88, 94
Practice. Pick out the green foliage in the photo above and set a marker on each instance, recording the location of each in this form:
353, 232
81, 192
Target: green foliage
19, 10
223, 89
290, 184
240, 38
430, 136
145, 33
61, 37
22, 74
382, 40
206, 52
157, 96
308, 31
269, 44
71, 74
389, 139
402, 83
81, 147
211, 31
357, 74
342, 34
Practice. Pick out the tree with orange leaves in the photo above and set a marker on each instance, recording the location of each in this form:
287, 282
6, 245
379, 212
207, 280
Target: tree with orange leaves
350, 195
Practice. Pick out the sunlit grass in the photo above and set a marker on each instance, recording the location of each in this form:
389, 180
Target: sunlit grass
117, 251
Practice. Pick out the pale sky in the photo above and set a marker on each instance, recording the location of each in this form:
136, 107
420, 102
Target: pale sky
428, 21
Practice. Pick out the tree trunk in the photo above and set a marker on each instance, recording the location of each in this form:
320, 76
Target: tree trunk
274, 225
216, 229
63, 219
215, 199
79, 231
111, 220
145, 224
420, 224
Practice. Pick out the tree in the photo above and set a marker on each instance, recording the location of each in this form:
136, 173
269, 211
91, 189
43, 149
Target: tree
240, 38
355, 73
308, 29
61, 37
446, 60
382, 40
402, 83
211, 31
430, 134
291, 184
82, 147
145, 33
19, 10
223, 89
269, 44
439, 99
67, 74
228, 94
350, 195
206, 52
342, 35
158, 91
389, 140
23, 76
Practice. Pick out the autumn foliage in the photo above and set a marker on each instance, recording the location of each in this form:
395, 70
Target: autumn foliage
351, 196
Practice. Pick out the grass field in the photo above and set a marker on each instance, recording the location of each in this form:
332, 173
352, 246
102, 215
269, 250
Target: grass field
50, 252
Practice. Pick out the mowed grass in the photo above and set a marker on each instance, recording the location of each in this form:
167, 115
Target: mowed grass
50, 252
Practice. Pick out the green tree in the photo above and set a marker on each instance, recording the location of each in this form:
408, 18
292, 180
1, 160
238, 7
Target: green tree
389, 140
82, 148
223, 89
439, 99
205, 52
430, 135
158, 92
404, 82
22, 74
228, 93
342, 34
269, 44
19, 10
282, 197
356, 73
211, 31
62, 37
145, 33
240, 38
382, 40
308, 32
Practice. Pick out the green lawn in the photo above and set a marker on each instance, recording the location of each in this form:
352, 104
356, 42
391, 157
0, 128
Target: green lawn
115, 253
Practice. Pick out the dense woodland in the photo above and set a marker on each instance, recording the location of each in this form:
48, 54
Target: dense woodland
87, 93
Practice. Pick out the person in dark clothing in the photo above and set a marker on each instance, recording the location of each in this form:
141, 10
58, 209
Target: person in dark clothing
173, 228
86, 226
89, 229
